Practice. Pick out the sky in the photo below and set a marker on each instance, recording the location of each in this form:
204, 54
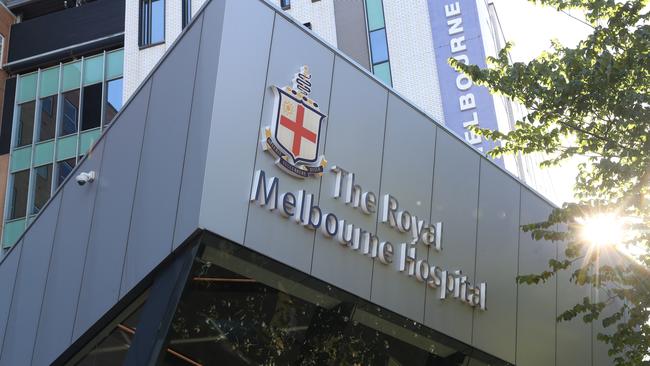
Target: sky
531, 27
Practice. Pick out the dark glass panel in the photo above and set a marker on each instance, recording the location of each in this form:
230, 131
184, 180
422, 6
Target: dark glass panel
236, 309
144, 22
378, 46
25, 123
48, 118
63, 169
187, 12
111, 346
19, 191
92, 107
70, 113
42, 186
113, 99
157, 21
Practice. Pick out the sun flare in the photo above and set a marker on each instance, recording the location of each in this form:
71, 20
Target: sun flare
602, 229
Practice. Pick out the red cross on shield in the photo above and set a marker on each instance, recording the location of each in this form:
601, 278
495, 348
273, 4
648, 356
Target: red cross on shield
297, 127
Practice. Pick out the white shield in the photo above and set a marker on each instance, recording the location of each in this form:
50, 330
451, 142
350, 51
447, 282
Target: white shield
297, 127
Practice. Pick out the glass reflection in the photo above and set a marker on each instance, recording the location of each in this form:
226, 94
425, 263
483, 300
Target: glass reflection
378, 46
48, 118
19, 191
42, 186
113, 99
157, 21
63, 170
111, 346
26, 112
234, 312
70, 113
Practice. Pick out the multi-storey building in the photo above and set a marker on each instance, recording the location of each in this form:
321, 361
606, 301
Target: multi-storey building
261, 198
7, 18
407, 45
65, 63
404, 45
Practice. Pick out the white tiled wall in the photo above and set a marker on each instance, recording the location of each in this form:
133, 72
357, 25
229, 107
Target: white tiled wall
412, 57
139, 62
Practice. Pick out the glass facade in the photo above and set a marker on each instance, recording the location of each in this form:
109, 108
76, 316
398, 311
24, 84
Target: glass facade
379, 56
60, 113
152, 22
232, 306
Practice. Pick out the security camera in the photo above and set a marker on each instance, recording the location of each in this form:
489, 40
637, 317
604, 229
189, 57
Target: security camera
85, 177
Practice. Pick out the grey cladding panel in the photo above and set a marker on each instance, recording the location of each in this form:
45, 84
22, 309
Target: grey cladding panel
8, 269
351, 117
189, 203
67, 263
266, 232
407, 175
100, 287
240, 86
496, 261
535, 303
26, 304
455, 204
573, 336
351, 32
163, 151
606, 257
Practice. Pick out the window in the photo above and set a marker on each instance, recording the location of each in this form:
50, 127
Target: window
19, 189
2, 51
63, 169
379, 56
113, 99
70, 113
285, 4
48, 118
152, 22
378, 46
91, 112
42, 187
25, 123
187, 12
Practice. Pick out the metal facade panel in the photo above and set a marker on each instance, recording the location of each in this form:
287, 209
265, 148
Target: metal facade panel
535, 303
350, 117
235, 123
605, 257
161, 163
496, 261
67, 262
8, 270
455, 204
20, 335
351, 32
100, 287
407, 175
267, 233
189, 202
574, 336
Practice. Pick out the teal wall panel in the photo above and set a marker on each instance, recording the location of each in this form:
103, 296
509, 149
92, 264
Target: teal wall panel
21, 158
26, 88
43, 153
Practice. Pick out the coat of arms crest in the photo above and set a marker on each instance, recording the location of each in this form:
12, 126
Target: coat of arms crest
294, 134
